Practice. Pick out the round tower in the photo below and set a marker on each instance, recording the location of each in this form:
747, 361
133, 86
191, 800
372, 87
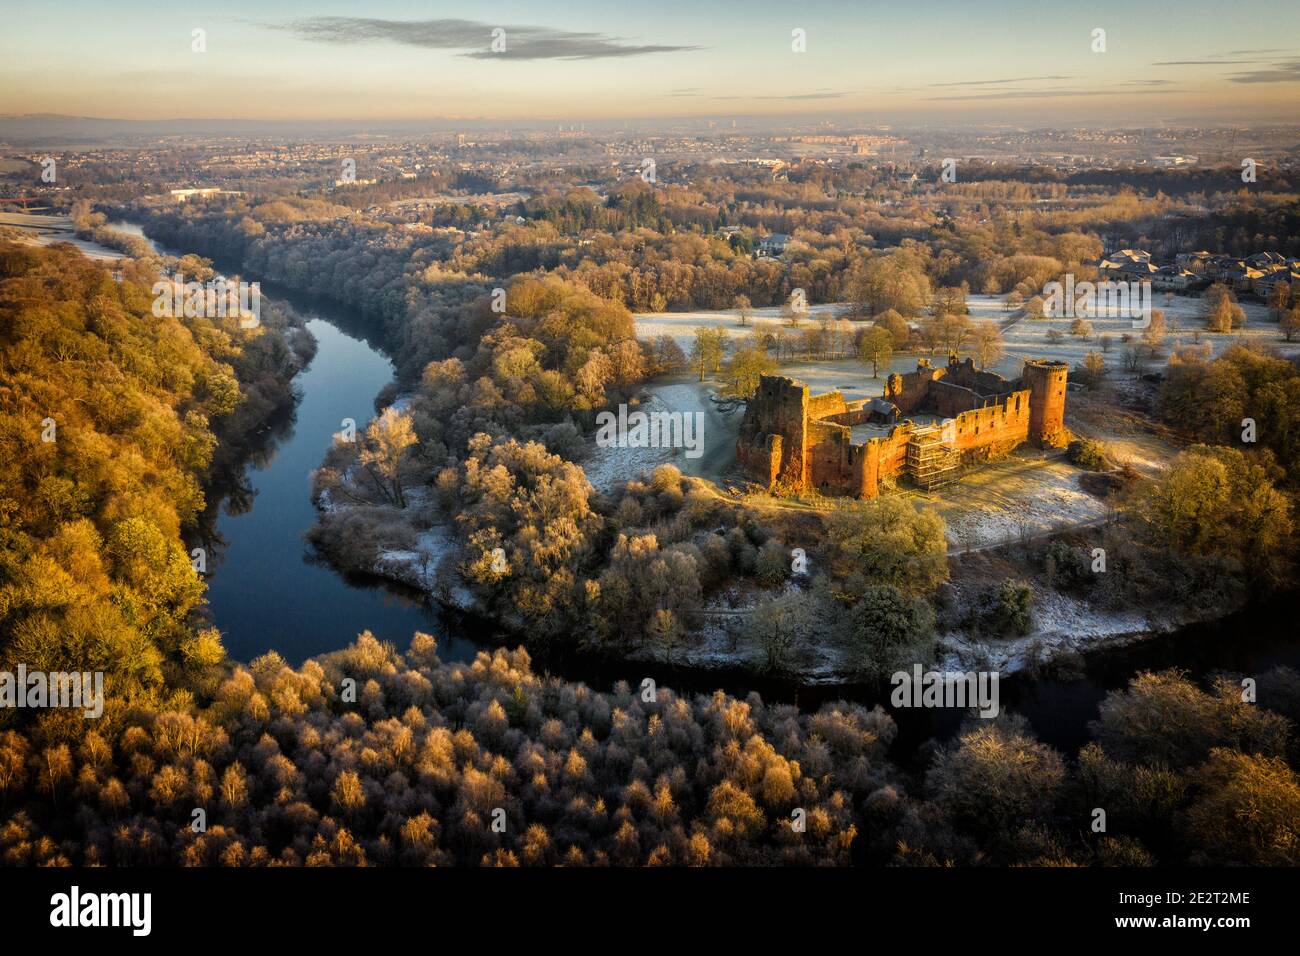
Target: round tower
1046, 380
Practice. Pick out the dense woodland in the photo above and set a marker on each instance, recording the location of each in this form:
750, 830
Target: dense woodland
109, 420
430, 755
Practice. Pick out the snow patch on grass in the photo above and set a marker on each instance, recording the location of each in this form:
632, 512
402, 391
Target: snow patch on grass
606, 467
1063, 624
1024, 495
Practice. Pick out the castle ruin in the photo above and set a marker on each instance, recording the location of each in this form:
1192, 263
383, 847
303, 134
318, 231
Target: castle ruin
791, 441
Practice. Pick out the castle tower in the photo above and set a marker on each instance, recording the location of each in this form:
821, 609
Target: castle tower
1046, 380
773, 440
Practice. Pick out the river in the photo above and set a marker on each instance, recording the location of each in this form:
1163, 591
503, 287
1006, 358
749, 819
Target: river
266, 591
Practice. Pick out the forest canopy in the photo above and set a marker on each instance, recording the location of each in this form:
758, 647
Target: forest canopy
109, 418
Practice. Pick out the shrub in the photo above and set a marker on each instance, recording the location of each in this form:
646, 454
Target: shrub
1066, 565
888, 541
1090, 454
773, 565
889, 630
995, 779
1004, 611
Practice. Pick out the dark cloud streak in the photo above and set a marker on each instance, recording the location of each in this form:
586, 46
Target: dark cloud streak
819, 95
472, 37
1287, 72
1048, 94
1202, 62
1015, 79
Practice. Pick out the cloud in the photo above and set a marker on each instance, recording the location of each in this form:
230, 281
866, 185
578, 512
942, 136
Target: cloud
824, 95
1200, 62
1278, 70
1016, 79
1048, 94
1223, 59
472, 37
1286, 72
816, 95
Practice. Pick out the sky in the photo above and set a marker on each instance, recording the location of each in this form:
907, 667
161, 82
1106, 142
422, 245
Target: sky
576, 61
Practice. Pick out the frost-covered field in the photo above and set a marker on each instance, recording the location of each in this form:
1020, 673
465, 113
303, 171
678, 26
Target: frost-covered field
1184, 322
682, 325
1062, 624
1025, 494
1024, 339
47, 230
724, 639
416, 566
605, 467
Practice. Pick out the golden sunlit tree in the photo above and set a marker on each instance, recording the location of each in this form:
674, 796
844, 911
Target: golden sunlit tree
384, 450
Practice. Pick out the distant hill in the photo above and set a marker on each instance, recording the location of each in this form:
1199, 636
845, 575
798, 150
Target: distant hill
56, 129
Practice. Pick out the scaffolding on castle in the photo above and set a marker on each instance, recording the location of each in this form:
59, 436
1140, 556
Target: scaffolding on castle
930, 463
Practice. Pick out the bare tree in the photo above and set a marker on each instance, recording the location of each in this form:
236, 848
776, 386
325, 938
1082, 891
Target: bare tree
989, 345
877, 347
744, 311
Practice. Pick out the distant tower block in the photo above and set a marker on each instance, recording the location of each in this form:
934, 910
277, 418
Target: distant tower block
1046, 383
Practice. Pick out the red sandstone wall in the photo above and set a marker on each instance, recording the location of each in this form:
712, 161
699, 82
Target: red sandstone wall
880, 458
866, 469
823, 406
908, 391
761, 459
967, 375
829, 457
893, 451
1001, 426
951, 400
858, 415
777, 410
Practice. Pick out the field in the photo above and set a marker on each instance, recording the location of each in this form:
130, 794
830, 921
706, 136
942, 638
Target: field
605, 467
1184, 319
1025, 338
1028, 494
682, 325
47, 230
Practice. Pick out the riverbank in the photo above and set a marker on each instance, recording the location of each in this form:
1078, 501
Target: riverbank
425, 555
46, 230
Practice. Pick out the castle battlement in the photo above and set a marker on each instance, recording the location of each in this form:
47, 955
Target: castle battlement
792, 441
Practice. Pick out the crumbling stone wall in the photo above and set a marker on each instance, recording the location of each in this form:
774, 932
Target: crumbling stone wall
883, 458
994, 429
773, 441
910, 390
790, 441
856, 412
